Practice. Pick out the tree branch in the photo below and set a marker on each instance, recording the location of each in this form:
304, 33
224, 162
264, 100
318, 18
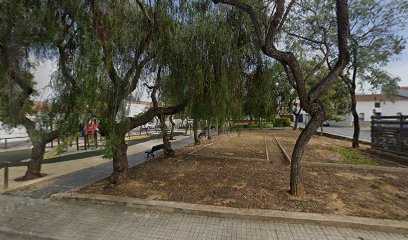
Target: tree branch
252, 14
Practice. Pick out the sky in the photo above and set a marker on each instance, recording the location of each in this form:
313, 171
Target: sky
398, 67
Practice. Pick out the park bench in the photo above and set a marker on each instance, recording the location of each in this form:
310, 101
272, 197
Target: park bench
202, 134
154, 149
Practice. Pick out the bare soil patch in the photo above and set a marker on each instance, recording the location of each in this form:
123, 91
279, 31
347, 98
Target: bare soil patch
244, 144
330, 150
264, 185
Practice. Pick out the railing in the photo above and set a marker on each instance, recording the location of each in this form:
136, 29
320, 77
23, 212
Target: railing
5, 165
5, 140
390, 134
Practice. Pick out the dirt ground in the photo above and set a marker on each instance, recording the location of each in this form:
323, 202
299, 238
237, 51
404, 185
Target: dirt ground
244, 144
321, 149
261, 184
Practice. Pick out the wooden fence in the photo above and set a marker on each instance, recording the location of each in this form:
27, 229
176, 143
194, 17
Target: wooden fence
390, 134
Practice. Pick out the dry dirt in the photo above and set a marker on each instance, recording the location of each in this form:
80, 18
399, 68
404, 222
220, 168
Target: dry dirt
261, 184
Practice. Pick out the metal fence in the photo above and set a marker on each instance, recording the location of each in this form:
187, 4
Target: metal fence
390, 134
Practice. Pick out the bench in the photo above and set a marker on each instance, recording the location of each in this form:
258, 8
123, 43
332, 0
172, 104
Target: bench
154, 149
202, 134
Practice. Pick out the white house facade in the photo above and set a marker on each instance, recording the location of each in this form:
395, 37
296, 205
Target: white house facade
374, 104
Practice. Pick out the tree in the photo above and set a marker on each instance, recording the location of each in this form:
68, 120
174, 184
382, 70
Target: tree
25, 34
260, 96
373, 40
275, 14
375, 37
113, 43
209, 66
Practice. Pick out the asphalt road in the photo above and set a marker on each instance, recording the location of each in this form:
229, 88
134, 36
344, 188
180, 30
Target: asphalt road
345, 131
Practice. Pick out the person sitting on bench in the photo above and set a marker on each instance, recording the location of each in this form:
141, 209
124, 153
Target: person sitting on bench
154, 149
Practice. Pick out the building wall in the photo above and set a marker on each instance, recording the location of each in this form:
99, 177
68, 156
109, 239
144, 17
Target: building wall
387, 108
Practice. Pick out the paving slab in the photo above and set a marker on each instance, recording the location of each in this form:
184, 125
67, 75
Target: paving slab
76, 220
68, 175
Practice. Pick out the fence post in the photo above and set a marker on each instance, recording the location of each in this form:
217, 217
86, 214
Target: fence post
6, 175
5, 143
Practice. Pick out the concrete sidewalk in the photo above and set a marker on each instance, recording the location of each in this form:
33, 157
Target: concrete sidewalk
63, 176
73, 220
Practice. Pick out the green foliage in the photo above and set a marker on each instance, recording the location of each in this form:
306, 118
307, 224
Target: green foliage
281, 122
353, 156
206, 64
260, 96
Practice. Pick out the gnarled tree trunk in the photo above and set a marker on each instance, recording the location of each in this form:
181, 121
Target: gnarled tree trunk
195, 130
39, 140
173, 124
168, 152
296, 186
356, 122
120, 172
208, 130
34, 165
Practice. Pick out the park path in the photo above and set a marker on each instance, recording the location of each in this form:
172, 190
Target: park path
29, 214
43, 219
89, 174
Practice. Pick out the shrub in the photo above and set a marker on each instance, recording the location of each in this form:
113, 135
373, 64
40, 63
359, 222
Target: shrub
281, 122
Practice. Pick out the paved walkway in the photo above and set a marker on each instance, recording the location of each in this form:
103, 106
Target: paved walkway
75, 220
29, 214
86, 174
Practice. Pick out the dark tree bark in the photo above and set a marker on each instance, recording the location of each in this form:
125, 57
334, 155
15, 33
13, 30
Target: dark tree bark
208, 130
351, 83
308, 98
120, 163
356, 120
34, 165
173, 125
39, 140
168, 152
296, 185
195, 130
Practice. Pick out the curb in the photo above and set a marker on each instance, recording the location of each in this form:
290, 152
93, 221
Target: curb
370, 224
285, 155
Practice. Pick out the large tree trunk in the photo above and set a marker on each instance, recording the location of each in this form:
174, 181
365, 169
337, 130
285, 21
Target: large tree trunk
296, 184
173, 124
195, 130
356, 121
208, 130
34, 165
120, 163
168, 152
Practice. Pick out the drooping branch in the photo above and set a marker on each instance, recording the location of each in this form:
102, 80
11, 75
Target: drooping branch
252, 14
156, 111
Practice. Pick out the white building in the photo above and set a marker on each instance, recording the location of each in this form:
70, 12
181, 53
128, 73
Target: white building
375, 104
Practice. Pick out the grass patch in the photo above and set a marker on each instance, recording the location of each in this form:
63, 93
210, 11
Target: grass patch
351, 156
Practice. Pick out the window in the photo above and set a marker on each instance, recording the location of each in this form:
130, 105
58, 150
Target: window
378, 114
377, 104
361, 116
